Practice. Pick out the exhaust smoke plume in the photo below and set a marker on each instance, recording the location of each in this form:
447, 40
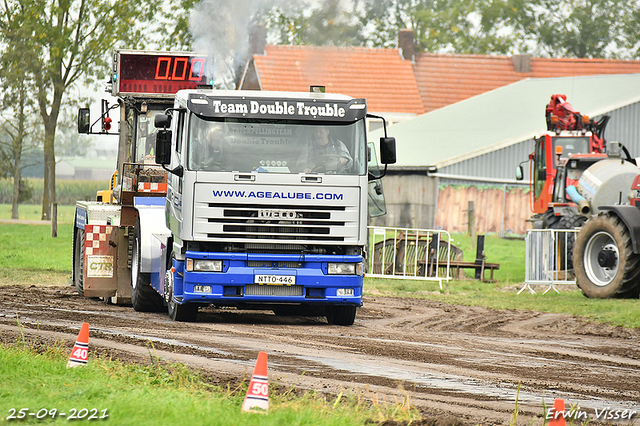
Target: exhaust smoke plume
222, 29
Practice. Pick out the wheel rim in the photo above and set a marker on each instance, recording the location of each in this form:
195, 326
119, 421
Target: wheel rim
168, 288
601, 275
135, 264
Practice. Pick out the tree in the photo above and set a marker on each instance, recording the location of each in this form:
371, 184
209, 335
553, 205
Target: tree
17, 105
330, 25
18, 143
456, 26
575, 28
66, 41
632, 33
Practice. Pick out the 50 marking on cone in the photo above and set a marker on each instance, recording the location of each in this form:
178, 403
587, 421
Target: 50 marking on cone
258, 392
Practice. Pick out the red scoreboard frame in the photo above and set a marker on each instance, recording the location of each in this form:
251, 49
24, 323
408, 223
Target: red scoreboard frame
157, 73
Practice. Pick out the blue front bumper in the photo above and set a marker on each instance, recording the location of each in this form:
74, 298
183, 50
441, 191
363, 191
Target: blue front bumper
236, 285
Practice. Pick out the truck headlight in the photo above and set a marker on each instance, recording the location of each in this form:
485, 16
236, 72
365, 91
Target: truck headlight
344, 268
204, 265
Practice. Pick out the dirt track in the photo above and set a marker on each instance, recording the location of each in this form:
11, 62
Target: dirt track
450, 360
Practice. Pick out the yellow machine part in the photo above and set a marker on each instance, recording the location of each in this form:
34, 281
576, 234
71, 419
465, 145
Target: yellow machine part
105, 194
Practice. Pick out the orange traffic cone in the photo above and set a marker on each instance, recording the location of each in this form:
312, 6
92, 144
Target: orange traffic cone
258, 392
558, 418
80, 352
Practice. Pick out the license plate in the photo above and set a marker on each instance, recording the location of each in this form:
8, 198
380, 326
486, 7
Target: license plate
344, 292
202, 289
275, 279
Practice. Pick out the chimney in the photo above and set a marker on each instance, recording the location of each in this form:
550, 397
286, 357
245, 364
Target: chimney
521, 63
405, 44
257, 43
257, 40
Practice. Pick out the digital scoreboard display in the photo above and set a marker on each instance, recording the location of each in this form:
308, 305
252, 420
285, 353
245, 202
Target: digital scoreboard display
157, 72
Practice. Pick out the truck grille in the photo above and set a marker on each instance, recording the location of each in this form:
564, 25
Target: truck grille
276, 222
270, 264
273, 290
282, 215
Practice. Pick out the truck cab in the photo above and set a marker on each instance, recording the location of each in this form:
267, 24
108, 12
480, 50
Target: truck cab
266, 202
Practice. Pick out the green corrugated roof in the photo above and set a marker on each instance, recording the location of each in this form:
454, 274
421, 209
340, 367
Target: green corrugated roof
503, 117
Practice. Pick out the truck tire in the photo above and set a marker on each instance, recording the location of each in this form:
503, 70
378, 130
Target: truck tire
604, 263
183, 313
341, 315
78, 262
144, 298
178, 312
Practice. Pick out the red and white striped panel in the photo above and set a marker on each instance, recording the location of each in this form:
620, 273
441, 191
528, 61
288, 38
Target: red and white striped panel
152, 187
96, 239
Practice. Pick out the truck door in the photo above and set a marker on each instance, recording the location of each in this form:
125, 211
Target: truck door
541, 195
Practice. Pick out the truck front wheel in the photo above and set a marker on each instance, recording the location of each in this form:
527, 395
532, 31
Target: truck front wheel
143, 297
177, 312
604, 263
341, 315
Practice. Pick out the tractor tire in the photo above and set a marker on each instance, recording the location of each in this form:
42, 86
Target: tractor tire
550, 220
341, 315
572, 222
604, 263
144, 298
78, 262
569, 222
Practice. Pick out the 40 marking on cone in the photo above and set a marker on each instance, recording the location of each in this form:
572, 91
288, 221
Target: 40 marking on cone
80, 352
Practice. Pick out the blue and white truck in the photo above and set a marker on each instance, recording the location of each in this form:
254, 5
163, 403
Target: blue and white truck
266, 206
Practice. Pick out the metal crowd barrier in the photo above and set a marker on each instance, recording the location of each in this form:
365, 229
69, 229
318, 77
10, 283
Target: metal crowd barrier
549, 258
408, 253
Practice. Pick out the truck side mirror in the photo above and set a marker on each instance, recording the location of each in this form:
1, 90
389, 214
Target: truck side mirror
84, 120
388, 150
519, 173
163, 146
162, 121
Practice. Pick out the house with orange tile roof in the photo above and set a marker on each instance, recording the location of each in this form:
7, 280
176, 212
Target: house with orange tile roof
381, 76
445, 79
402, 83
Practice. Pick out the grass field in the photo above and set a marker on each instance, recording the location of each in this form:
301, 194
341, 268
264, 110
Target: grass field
30, 256
35, 377
34, 212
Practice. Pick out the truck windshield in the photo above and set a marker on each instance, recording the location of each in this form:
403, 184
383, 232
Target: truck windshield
145, 137
276, 146
572, 145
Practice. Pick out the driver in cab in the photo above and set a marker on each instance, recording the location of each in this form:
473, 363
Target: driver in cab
325, 154
210, 154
